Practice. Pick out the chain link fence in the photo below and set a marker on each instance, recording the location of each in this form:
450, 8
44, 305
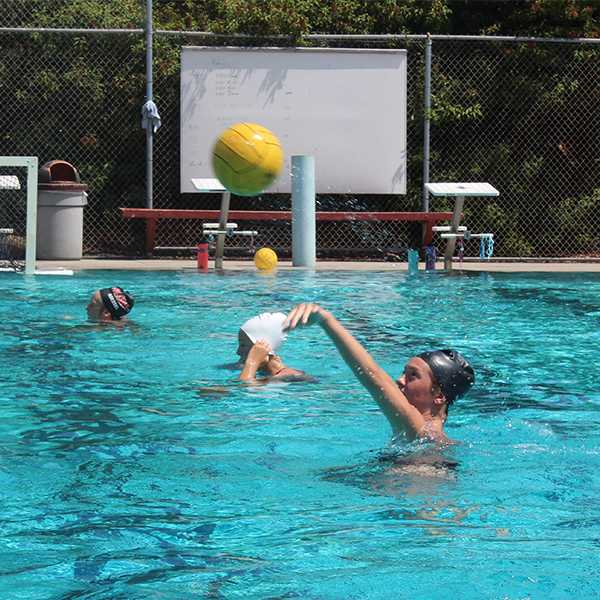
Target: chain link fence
522, 116
334, 240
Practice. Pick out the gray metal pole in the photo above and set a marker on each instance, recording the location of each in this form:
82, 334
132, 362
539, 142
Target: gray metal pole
149, 98
304, 246
315, 36
426, 123
459, 202
223, 218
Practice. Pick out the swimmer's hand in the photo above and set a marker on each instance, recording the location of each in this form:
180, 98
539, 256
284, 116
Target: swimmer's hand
257, 358
259, 353
304, 315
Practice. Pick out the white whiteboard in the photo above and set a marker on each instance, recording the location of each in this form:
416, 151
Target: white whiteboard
346, 107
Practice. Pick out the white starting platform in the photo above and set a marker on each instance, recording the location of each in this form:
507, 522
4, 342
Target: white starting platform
222, 228
211, 185
208, 185
460, 191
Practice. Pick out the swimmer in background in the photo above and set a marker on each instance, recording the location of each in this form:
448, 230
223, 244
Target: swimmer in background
109, 305
416, 403
258, 339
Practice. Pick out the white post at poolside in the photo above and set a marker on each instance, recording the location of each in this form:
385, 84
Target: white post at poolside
304, 238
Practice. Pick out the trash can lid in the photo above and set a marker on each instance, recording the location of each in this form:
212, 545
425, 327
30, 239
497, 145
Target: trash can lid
58, 170
62, 186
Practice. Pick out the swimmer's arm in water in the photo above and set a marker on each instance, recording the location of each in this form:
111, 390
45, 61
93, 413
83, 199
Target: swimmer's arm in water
258, 355
402, 416
292, 375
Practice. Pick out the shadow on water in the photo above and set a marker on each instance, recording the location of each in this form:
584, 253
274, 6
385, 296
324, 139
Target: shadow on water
167, 540
421, 482
415, 469
555, 298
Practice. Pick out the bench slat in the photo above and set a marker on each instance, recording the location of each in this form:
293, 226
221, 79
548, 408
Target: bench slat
153, 215
282, 215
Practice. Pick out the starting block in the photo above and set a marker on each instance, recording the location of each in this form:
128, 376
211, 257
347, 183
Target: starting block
454, 231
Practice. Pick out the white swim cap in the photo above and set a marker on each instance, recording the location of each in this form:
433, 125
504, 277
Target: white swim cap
266, 326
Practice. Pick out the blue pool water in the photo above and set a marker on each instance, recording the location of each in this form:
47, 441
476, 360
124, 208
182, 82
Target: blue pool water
123, 475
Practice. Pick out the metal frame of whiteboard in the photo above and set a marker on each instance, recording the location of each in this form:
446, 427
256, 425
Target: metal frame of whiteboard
459, 191
345, 106
31, 163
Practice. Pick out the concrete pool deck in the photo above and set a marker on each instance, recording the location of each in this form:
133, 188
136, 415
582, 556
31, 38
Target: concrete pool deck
150, 264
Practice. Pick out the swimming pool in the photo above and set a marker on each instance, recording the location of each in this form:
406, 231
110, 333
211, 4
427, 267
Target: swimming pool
124, 475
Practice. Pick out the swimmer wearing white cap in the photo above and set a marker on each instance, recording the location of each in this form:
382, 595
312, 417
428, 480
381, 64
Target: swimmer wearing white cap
417, 402
258, 340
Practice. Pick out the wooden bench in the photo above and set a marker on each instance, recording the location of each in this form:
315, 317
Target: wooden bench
153, 215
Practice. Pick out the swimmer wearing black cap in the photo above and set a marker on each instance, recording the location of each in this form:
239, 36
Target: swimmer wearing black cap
417, 402
109, 305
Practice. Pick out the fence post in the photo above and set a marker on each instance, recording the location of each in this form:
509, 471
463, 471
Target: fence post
304, 253
426, 122
149, 98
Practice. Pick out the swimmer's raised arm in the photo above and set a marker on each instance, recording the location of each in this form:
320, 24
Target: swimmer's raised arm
401, 415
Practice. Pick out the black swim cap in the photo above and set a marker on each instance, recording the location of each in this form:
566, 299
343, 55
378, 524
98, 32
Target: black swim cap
452, 372
116, 301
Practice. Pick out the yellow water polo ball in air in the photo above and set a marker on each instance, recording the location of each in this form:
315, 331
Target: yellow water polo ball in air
247, 158
265, 259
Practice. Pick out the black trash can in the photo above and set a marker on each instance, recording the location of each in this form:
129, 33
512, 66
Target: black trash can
61, 198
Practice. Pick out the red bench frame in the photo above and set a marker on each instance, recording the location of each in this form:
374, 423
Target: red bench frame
153, 215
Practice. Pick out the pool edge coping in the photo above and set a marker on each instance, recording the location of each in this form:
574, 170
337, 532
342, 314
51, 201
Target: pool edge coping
246, 265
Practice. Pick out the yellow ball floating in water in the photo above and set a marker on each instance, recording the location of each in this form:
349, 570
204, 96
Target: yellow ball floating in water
247, 158
265, 259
